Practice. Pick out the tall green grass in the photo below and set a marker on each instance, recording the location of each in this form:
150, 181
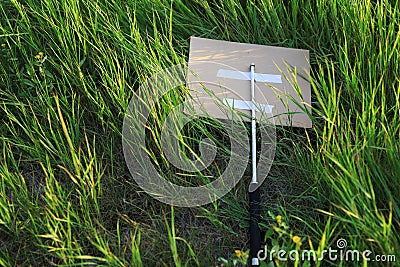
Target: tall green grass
68, 70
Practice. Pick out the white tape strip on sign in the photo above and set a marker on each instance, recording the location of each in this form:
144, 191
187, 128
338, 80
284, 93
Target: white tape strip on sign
247, 105
243, 75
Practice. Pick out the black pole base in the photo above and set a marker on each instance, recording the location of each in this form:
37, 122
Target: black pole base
255, 237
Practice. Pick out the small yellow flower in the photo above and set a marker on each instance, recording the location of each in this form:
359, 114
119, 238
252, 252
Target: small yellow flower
296, 239
3, 45
238, 253
37, 56
279, 219
40, 53
244, 255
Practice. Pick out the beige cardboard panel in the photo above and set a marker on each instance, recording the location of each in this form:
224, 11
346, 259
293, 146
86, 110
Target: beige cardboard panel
208, 56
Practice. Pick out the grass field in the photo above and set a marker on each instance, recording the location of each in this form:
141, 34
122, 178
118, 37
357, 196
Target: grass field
68, 69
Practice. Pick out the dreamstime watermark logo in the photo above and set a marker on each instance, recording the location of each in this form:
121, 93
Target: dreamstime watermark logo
135, 133
342, 253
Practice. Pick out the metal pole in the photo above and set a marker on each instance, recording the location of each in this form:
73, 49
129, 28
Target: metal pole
254, 195
253, 128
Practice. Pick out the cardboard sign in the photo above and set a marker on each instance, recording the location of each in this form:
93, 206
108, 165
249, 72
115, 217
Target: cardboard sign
282, 89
